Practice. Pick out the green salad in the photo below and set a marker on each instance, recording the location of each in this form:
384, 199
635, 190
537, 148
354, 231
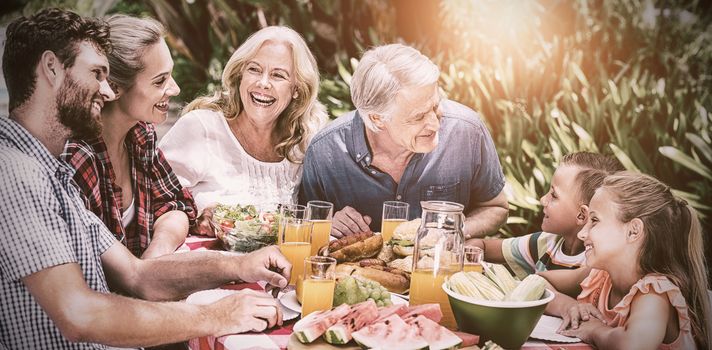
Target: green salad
243, 229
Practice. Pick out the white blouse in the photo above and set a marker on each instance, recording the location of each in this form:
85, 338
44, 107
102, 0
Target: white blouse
209, 161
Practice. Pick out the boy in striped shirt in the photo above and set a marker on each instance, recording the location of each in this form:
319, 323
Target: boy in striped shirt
565, 214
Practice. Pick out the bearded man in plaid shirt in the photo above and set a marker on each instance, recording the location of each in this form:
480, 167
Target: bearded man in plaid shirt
56, 256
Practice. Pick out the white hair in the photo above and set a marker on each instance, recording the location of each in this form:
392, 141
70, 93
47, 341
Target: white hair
381, 74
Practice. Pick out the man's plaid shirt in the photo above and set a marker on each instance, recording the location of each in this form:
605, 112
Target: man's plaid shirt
156, 188
44, 225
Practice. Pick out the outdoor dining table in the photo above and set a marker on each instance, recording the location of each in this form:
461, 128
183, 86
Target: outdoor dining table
279, 337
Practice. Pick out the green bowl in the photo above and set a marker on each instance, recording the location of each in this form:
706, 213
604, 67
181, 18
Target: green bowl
506, 323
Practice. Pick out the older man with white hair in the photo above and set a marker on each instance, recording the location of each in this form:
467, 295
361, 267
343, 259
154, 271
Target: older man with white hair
404, 142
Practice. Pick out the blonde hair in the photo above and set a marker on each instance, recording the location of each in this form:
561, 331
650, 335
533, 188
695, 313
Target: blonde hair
301, 119
673, 244
381, 74
131, 37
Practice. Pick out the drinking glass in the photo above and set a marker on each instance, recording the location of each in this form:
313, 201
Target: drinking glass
288, 210
318, 284
320, 213
295, 243
394, 213
473, 259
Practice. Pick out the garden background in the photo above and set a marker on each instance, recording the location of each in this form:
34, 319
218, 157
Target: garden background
631, 78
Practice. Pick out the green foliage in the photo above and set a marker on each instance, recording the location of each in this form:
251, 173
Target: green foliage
203, 35
624, 78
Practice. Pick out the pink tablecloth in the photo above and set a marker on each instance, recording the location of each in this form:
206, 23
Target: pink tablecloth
278, 338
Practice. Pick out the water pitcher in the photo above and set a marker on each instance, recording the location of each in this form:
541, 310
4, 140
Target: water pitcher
438, 254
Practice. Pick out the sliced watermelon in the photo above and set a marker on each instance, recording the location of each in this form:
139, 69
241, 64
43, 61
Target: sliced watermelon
361, 314
431, 311
314, 325
392, 333
386, 311
467, 338
437, 336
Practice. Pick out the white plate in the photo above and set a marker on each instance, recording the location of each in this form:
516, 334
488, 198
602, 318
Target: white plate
546, 330
209, 296
289, 300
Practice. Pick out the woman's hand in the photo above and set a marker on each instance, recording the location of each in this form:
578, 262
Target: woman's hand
246, 311
203, 224
577, 313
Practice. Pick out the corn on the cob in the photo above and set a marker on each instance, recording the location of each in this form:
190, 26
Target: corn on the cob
489, 290
501, 277
460, 284
531, 288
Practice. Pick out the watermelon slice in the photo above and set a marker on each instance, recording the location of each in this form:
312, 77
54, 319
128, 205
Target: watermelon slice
313, 326
467, 339
392, 333
437, 336
361, 314
431, 311
385, 311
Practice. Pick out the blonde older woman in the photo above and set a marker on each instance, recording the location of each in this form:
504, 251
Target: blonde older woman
245, 144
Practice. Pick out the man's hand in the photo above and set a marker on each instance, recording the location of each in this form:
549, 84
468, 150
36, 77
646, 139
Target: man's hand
348, 221
246, 311
267, 264
203, 224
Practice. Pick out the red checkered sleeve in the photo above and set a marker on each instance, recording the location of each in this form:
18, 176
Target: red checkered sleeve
83, 159
167, 192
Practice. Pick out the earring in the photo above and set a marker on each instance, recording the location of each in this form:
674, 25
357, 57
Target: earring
296, 94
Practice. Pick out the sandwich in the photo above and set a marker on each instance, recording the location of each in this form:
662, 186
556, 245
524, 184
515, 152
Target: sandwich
403, 239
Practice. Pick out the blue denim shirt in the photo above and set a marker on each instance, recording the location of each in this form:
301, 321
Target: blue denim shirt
463, 168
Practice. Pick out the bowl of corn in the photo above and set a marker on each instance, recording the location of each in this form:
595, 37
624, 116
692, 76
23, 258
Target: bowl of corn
505, 311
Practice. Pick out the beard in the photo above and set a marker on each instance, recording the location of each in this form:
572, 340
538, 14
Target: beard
74, 110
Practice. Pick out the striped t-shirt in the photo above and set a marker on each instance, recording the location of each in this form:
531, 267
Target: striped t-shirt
536, 252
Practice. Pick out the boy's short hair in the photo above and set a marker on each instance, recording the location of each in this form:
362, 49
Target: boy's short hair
594, 168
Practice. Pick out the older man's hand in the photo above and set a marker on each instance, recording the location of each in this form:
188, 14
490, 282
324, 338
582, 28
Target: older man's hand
267, 264
348, 221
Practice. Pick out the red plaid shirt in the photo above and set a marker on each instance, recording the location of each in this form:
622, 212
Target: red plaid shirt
156, 188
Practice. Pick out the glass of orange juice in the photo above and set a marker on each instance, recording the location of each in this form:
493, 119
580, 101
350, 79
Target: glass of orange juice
473, 259
288, 210
319, 213
295, 243
394, 213
318, 285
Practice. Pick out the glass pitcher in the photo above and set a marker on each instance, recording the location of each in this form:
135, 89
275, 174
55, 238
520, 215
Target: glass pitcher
438, 254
